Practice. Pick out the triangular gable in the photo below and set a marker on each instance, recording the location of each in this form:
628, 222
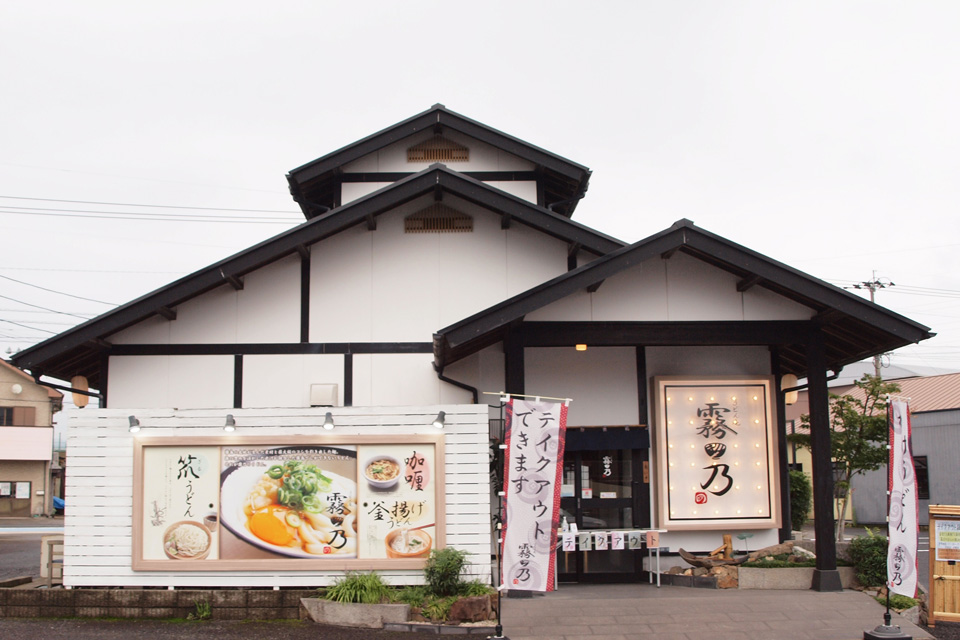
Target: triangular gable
78, 350
854, 328
314, 184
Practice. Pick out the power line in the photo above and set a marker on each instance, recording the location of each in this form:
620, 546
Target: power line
28, 327
70, 295
160, 206
44, 308
103, 215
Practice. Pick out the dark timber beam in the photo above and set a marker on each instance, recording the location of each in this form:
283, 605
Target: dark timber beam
825, 576
505, 221
167, 313
235, 282
304, 251
666, 255
747, 283
557, 334
100, 343
595, 286
371, 222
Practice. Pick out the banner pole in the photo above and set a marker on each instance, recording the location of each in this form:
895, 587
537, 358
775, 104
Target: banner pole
498, 630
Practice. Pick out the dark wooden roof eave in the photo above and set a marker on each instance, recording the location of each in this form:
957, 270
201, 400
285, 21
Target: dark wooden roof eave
574, 175
867, 328
43, 355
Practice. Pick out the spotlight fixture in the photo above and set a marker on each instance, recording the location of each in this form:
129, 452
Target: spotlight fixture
230, 424
328, 421
438, 422
134, 424
581, 347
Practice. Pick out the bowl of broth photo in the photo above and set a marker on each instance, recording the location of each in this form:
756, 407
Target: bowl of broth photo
408, 543
382, 472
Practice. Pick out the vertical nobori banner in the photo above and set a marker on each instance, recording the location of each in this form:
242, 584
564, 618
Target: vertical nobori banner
535, 433
903, 504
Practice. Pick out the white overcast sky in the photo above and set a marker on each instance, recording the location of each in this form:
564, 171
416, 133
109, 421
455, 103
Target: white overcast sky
825, 135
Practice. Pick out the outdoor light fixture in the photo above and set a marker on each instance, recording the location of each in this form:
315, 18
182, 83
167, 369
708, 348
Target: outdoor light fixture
230, 424
440, 419
328, 421
581, 347
789, 381
134, 424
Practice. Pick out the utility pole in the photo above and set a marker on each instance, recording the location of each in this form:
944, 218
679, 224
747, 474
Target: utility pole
873, 285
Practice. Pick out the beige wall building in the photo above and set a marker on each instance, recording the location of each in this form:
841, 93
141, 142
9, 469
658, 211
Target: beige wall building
26, 443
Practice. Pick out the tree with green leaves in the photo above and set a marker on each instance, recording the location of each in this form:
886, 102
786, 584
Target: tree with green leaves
858, 435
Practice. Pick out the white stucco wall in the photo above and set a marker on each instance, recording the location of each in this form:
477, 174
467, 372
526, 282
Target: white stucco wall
679, 289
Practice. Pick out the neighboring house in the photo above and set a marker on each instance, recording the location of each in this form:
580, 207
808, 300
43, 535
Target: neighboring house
26, 443
928, 387
439, 261
935, 425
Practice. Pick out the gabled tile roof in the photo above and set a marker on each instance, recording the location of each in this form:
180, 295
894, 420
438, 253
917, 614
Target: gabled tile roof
312, 185
854, 328
77, 351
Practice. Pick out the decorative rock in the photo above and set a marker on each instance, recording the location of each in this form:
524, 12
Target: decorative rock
675, 571
473, 609
727, 577
701, 571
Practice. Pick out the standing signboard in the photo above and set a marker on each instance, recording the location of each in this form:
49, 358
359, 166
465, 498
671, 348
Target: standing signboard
944, 603
533, 467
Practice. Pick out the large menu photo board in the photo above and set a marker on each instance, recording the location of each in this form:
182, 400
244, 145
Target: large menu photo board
255, 503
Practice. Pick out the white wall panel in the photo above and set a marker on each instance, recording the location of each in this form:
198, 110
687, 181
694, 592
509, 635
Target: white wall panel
532, 258
404, 379
602, 381
576, 307
211, 317
526, 189
176, 381
139, 381
98, 526
406, 282
153, 330
763, 304
341, 287
638, 294
350, 191
269, 304
698, 291
284, 380
200, 382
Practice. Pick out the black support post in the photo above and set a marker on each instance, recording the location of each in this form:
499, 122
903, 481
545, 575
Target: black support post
825, 576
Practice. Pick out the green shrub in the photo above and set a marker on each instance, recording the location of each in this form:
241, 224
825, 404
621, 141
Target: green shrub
475, 588
869, 556
442, 570
201, 611
413, 595
437, 608
801, 495
365, 588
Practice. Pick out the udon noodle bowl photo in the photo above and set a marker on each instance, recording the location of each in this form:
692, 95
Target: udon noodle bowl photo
408, 543
382, 472
296, 506
186, 540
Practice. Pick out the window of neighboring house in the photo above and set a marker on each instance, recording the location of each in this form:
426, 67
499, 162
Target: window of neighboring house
923, 482
17, 416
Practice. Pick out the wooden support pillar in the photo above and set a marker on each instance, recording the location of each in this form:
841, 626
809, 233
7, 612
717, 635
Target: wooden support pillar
513, 361
786, 528
825, 576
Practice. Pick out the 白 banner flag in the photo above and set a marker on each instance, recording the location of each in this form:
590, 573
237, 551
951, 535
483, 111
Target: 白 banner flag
533, 465
903, 504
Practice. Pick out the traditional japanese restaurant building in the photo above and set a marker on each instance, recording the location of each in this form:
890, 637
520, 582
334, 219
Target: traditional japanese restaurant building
438, 261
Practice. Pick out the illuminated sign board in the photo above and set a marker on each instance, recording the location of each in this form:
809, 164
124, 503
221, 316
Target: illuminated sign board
716, 453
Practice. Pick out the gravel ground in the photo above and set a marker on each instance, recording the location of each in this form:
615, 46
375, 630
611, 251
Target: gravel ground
945, 631
32, 629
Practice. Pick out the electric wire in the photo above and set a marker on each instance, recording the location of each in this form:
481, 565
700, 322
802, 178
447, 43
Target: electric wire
70, 295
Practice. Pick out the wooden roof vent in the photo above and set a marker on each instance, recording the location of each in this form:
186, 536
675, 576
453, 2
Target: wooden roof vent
438, 149
438, 218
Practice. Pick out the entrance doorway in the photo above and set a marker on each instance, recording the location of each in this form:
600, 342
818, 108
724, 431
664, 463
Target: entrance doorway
605, 488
